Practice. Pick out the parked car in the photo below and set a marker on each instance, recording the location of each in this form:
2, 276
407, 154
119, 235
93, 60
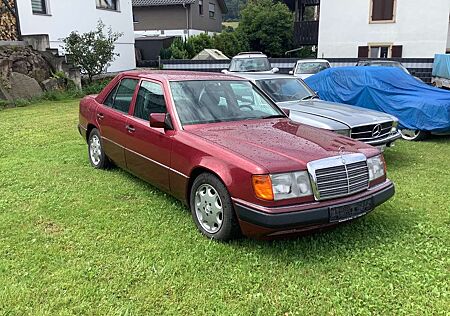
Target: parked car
253, 62
239, 163
305, 68
441, 71
372, 127
420, 108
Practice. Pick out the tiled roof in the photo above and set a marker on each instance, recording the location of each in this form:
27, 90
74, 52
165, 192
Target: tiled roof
151, 3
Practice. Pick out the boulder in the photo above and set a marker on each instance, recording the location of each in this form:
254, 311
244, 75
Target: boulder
53, 84
24, 87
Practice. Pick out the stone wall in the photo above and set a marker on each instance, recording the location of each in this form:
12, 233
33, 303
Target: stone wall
8, 31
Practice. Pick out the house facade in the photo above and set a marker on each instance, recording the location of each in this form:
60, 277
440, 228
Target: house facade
373, 28
181, 18
59, 18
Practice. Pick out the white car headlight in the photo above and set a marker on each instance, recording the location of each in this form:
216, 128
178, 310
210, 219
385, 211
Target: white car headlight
290, 185
394, 127
376, 167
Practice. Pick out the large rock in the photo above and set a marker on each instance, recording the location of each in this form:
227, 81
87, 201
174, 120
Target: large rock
23, 87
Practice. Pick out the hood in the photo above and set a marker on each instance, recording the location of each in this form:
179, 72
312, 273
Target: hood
349, 115
279, 145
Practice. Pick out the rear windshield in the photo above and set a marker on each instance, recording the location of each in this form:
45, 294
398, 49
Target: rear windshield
249, 65
311, 68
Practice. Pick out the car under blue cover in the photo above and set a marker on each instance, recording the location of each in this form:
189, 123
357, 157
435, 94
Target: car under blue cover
417, 105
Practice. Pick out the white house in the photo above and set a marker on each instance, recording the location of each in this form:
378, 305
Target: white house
383, 28
58, 18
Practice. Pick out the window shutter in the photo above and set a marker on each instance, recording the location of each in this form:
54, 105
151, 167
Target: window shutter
397, 51
382, 10
363, 51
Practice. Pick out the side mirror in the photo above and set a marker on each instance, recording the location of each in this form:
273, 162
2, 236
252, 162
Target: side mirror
286, 111
224, 71
161, 120
291, 72
274, 70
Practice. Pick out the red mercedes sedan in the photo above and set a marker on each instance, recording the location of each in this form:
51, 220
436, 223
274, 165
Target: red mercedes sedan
218, 144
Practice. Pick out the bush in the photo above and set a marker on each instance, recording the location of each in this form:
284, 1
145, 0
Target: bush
93, 51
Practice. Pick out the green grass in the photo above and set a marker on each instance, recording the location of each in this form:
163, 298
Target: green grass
75, 241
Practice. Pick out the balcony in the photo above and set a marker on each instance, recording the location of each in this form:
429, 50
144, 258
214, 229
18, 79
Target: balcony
306, 33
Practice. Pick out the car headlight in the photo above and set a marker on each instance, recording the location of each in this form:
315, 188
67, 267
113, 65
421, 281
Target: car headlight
376, 167
282, 186
344, 132
394, 127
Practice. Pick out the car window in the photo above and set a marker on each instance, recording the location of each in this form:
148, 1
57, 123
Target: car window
201, 101
150, 99
250, 64
121, 96
284, 89
311, 67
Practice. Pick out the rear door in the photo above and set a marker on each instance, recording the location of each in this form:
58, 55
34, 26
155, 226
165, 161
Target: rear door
112, 118
148, 149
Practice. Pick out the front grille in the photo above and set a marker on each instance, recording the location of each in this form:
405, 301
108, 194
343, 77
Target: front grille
346, 175
372, 132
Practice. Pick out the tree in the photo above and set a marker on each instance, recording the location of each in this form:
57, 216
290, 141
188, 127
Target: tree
230, 43
267, 26
93, 51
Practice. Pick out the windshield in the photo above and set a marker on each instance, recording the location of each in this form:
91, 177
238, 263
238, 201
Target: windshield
311, 68
200, 102
250, 64
284, 89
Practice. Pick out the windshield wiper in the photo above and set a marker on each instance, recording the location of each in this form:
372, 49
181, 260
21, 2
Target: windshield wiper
272, 116
310, 97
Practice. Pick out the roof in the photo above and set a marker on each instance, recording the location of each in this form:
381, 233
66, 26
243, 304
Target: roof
255, 77
313, 61
249, 55
179, 75
154, 3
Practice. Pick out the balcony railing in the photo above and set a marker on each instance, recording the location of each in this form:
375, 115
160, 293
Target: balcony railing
306, 32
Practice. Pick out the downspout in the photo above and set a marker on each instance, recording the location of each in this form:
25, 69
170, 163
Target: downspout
187, 19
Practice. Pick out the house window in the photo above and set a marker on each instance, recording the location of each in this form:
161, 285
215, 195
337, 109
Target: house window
212, 10
379, 51
107, 4
200, 7
39, 6
382, 10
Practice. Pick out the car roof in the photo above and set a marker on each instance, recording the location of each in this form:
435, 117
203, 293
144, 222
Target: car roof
178, 75
249, 55
312, 61
255, 77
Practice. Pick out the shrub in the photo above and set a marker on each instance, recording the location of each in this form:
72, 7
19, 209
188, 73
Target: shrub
93, 51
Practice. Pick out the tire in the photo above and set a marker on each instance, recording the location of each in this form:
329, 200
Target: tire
212, 209
413, 135
96, 154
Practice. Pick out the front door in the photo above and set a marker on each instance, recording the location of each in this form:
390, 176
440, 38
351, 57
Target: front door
148, 149
112, 118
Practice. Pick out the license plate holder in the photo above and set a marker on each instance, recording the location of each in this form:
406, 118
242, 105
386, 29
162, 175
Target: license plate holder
348, 212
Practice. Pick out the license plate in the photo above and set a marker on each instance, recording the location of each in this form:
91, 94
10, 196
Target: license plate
350, 211
382, 148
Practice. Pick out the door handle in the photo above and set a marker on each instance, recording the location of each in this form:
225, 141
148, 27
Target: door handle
130, 128
100, 116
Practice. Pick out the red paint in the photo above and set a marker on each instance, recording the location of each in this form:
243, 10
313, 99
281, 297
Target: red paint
234, 151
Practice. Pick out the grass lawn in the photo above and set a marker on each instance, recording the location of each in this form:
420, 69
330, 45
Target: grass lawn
74, 240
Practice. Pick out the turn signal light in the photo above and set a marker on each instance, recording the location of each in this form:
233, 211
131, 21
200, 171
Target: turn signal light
262, 185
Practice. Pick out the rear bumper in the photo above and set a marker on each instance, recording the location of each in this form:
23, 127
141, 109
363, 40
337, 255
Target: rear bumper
315, 216
385, 141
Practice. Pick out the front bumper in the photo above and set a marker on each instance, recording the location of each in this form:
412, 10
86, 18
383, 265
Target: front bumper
315, 216
385, 141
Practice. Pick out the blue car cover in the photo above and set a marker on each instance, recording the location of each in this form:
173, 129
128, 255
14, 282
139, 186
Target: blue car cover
417, 105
